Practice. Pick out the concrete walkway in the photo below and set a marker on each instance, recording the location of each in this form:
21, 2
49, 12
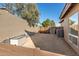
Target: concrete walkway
52, 43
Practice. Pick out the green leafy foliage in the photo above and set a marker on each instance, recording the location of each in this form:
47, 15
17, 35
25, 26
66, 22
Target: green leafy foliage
31, 14
48, 23
27, 11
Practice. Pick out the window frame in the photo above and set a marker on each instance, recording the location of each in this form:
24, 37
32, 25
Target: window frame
69, 34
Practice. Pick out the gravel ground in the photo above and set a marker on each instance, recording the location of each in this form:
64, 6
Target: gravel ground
52, 43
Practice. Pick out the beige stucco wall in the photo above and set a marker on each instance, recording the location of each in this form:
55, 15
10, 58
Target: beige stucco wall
11, 50
11, 25
66, 26
28, 43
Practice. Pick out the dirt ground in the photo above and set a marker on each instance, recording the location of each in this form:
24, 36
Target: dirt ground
52, 43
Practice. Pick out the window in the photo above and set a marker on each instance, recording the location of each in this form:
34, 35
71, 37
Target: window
73, 28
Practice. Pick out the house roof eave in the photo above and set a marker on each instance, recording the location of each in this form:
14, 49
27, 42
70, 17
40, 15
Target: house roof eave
66, 7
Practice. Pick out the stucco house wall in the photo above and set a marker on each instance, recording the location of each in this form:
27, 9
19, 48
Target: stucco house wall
65, 24
12, 26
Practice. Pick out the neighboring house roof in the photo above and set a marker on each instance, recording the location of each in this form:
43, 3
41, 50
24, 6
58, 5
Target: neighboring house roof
11, 25
10, 50
66, 9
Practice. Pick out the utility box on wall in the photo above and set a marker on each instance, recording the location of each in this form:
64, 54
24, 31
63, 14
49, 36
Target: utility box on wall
13, 41
19, 41
23, 40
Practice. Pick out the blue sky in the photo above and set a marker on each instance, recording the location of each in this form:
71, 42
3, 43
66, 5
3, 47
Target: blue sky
50, 10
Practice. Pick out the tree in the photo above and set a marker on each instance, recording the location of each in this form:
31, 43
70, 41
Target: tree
15, 8
48, 23
31, 14
27, 11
